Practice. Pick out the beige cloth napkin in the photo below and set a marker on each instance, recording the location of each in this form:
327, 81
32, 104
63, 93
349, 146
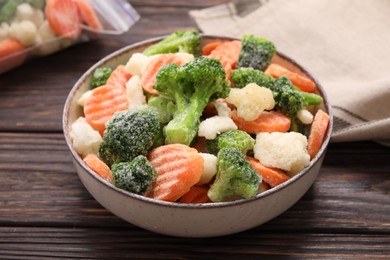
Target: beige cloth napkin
344, 43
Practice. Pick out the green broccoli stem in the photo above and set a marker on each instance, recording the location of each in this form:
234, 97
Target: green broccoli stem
184, 126
310, 99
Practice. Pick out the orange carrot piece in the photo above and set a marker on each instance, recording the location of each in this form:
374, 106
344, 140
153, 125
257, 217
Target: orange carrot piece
271, 176
98, 166
103, 103
63, 17
149, 75
227, 51
119, 77
271, 121
88, 15
197, 194
178, 167
208, 48
317, 132
11, 54
303, 83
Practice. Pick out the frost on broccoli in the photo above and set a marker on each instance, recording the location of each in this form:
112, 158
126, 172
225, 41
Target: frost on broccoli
243, 76
135, 176
100, 76
191, 86
165, 106
235, 177
179, 41
129, 134
238, 139
289, 99
256, 52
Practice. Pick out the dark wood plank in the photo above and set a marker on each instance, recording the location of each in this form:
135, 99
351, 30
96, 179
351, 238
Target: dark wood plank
39, 186
100, 243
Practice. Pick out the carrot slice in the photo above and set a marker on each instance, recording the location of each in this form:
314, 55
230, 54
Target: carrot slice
11, 54
303, 83
271, 176
208, 48
178, 167
119, 77
149, 75
197, 194
102, 104
228, 51
88, 15
317, 132
98, 166
63, 17
271, 121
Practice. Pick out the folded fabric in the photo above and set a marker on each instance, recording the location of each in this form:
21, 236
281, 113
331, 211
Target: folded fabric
344, 43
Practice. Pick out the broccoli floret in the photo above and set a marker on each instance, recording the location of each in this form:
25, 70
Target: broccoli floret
191, 86
243, 76
100, 76
256, 52
238, 139
179, 41
235, 177
165, 106
135, 176
289, 99
129, 134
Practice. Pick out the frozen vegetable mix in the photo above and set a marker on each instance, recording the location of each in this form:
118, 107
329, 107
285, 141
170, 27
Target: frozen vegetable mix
188, 121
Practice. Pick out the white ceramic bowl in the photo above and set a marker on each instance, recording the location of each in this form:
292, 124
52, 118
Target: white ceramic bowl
189, 220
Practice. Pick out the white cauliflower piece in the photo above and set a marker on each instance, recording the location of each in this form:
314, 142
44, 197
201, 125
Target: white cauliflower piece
25, 31
223, 109
85, 139
251, 101
4, 30
286, 151
209, 168
48, 41
137, 64
25, 12
134, 92
84, 96
185, 57
305, 116
215, 125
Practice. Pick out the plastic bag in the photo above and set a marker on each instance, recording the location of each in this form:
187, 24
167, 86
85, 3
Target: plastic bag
30, 28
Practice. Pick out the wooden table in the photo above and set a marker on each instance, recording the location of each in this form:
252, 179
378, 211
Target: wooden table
45, 212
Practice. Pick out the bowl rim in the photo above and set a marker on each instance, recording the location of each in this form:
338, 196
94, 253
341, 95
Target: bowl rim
211, 205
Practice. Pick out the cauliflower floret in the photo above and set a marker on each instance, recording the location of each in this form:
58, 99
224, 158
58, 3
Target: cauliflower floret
223, 109
85, 139
26, 12
215, 125
305, 116
4, 30
209, 168
251, 101
134, 92
185, 57
25, 31
84, 97
286, 151
137, 64
49, 43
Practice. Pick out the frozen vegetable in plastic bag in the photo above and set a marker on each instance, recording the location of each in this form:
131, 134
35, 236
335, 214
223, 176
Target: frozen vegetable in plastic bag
31, 28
